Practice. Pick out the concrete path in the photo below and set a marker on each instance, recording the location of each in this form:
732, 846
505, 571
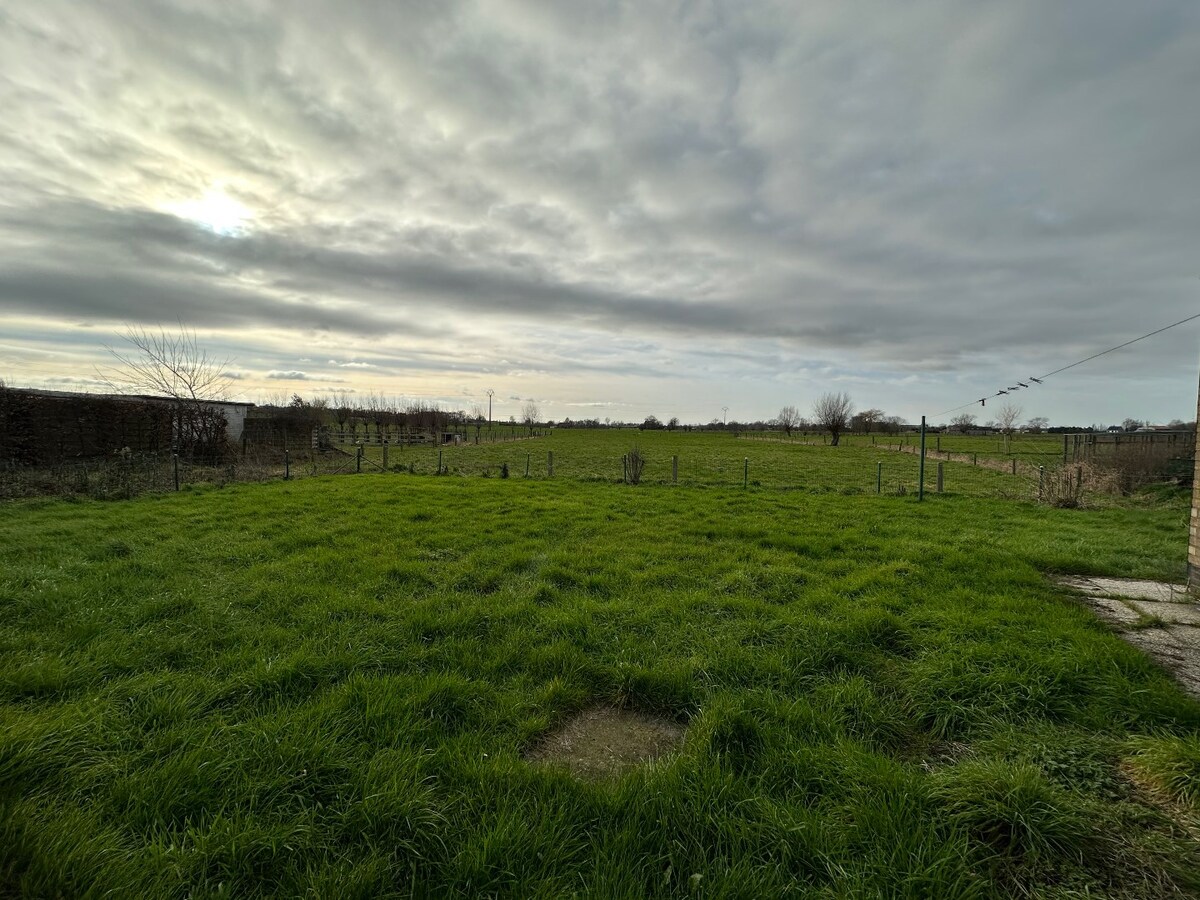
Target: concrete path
1161, 619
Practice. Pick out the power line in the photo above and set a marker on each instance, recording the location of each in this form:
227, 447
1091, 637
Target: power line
1041, 378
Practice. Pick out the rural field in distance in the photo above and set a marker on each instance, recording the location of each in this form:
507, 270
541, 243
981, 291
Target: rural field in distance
337, 686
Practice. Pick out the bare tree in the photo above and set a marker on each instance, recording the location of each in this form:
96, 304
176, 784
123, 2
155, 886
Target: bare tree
531, 413
1038, 424
374, 409
174, 366
832, 412
789, 419
1006, 420
866, 420
963, 422
477, 418
167, 365
1008, 417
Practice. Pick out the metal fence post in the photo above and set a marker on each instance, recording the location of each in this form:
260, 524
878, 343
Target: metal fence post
527, 455
940, 481
674, 470
746, 473
287, 465
1041, 481
625, 468
175, 460
439, 471
879, 478
1014, 465
385, 454
921, 468
358, 461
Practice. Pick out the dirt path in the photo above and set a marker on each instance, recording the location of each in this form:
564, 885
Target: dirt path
1161, 619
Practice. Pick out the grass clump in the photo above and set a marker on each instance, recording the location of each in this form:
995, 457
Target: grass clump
1014, 810
1171, 763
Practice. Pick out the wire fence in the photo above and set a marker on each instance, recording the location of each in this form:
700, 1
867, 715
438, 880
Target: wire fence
761, 460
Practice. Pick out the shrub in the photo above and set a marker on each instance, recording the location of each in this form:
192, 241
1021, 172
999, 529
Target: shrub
636, 464
1063, 488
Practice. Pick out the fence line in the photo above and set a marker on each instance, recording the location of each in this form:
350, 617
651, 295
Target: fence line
885, 468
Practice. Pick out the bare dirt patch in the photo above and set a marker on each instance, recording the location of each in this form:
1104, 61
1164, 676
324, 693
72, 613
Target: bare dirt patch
603, 741
945, 753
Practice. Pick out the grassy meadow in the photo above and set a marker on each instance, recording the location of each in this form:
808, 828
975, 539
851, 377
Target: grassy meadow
328, 687
709, 459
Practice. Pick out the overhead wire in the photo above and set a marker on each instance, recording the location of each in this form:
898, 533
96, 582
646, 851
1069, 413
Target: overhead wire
1038, 380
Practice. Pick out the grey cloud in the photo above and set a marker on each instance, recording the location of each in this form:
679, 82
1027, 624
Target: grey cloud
71, 381
912, 188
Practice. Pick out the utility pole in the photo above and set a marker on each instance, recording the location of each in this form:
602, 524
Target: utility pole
489, 393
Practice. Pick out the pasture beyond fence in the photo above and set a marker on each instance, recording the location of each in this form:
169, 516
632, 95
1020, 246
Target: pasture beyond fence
1032, 468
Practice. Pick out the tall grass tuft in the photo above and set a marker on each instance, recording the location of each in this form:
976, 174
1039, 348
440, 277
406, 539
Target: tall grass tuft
1015, 810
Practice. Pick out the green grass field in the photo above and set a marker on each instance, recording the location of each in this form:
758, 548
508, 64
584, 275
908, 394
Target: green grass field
707, 459
1035, 449
326, 688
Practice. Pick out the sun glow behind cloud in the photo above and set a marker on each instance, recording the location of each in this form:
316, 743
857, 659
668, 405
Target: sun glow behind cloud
673, 208
217, 212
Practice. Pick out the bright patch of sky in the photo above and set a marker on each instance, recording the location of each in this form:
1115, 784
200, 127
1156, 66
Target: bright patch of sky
619, 209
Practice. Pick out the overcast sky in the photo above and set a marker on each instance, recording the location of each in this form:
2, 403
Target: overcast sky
616, 209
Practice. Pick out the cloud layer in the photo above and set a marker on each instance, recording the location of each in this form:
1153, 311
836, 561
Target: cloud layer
648, 204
